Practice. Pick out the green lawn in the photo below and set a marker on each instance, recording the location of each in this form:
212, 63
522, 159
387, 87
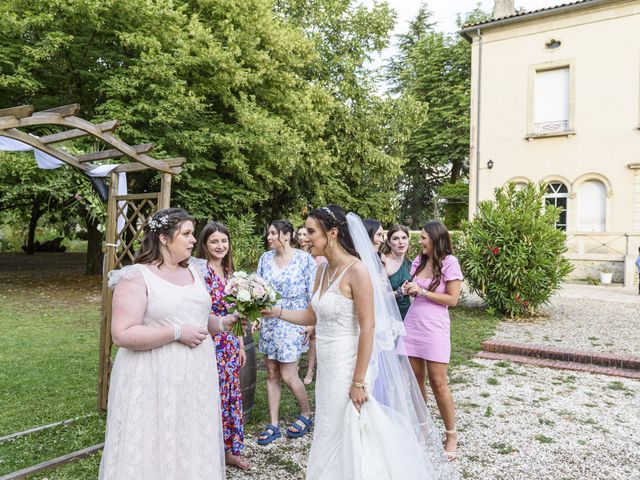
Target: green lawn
48, 366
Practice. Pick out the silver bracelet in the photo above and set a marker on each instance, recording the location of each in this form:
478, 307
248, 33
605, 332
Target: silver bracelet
177, 331
221, 326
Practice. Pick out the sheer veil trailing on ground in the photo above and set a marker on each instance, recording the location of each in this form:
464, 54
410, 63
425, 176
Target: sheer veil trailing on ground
393, 384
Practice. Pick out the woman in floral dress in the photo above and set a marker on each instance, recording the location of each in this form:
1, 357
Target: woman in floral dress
291, 272
215, 262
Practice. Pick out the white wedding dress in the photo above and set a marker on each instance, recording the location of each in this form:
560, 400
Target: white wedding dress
393, 436
164, 418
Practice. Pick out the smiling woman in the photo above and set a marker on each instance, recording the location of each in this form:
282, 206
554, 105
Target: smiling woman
164, 404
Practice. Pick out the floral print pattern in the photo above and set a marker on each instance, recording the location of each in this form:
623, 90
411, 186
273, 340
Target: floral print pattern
227, 355
280, 340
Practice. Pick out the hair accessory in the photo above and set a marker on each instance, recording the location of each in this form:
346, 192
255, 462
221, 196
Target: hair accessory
331, 214
157, 224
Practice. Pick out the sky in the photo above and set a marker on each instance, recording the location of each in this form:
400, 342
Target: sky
444, 14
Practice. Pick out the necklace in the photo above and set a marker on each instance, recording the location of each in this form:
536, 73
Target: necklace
332, 278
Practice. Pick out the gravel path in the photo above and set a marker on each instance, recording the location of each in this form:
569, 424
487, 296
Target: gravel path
520, 422
604, 319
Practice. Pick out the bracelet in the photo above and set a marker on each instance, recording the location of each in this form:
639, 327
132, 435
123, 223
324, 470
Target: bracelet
241, 348
358, 384
280, 316
221, 325
177, 331
425, 292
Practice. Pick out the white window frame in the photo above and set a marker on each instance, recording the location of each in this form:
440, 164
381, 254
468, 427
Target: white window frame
533, 130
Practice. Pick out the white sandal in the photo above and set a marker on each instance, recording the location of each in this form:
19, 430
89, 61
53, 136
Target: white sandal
450, 456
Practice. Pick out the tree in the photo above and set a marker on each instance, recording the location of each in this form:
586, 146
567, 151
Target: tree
435, 69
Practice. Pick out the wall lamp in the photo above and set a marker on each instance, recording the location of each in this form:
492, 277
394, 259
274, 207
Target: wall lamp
490, 164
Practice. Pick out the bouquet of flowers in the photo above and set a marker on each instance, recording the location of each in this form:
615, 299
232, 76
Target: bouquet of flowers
249, 294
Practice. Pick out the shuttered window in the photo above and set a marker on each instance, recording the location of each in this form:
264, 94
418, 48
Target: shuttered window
551, 100
592, 202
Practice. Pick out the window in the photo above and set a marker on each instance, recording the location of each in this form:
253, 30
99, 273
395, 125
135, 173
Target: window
557, 195
592, 201
551, 101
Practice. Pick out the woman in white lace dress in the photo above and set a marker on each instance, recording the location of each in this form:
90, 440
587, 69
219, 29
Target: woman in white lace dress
164, 411
371, 422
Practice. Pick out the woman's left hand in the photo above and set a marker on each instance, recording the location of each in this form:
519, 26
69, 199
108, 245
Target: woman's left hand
242, 357
358, 396
308, 334
271, 312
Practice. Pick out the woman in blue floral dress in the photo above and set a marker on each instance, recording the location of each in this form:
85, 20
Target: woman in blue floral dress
292, 273
216, 265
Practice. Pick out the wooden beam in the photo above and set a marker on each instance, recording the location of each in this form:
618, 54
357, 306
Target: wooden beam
9, 122
77, 455
64, 111
76, 133
113, 153
134, 167
17, 112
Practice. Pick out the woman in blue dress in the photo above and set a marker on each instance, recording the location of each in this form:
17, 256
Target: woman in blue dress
291, 272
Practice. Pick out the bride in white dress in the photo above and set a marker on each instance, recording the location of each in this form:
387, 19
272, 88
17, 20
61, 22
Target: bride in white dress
371, 421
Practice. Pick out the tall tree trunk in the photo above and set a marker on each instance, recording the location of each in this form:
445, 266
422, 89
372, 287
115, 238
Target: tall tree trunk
456, 170
94, 247
36, 213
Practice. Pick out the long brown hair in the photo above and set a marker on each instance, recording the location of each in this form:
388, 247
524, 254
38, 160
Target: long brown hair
209, 229
385, 248
441, 241
165, 222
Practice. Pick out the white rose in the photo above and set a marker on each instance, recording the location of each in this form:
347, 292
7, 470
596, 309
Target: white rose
244, 295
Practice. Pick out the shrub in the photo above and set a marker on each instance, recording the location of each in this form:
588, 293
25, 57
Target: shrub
247, 244
512, 253
454, 204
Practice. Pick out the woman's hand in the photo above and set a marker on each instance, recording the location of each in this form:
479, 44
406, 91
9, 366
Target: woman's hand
308, 334
242, 357
412, 288
229, 320
358, 396
271, 312
192, 335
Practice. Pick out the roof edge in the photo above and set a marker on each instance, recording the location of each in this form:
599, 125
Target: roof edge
527, 16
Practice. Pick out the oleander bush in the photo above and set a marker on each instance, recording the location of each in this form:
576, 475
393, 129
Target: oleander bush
512, 253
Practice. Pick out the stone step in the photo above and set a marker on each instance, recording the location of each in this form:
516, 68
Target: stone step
564, 354
561, 364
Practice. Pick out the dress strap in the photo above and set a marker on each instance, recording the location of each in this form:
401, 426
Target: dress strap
337, 280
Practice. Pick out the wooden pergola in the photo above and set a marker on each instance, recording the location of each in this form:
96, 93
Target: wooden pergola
135, 208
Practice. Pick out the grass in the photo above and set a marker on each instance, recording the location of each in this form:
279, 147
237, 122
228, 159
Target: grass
49, 332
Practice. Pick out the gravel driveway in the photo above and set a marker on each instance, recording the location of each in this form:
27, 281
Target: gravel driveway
520, 422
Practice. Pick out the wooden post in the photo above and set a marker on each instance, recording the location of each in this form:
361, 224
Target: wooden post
104, 368
165, 191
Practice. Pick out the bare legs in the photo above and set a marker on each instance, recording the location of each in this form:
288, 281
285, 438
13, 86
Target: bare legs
437, 375
278, 372
308, 378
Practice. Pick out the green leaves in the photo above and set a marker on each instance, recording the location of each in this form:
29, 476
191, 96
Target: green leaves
512, 254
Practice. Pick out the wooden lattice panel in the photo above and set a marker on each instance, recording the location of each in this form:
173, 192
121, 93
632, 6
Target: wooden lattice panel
136, 209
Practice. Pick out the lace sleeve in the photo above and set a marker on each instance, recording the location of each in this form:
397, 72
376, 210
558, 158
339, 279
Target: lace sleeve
128, 273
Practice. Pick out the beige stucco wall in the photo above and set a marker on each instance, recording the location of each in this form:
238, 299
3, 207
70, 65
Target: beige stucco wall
602, 44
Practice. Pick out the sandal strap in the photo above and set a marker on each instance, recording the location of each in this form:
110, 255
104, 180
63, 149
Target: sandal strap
270, 430
450, 431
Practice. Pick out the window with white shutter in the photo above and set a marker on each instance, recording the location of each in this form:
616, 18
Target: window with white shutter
592, 204
551, 101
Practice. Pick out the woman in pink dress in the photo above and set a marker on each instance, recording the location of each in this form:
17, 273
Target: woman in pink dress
435, 286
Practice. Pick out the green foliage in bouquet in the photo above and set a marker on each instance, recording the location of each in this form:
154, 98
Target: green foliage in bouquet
512, 253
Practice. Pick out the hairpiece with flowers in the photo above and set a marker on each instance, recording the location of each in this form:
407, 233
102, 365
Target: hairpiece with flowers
331, 214
156, 224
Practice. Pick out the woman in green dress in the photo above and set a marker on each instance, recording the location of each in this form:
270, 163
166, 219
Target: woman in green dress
396, 264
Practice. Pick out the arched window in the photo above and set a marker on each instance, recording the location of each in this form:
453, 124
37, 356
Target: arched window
557, 195
592, 203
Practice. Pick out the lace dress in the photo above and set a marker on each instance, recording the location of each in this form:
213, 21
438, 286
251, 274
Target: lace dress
347, 444
164, 409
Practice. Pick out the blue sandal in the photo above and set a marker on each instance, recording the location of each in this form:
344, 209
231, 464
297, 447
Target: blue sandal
299, 431
271, 433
